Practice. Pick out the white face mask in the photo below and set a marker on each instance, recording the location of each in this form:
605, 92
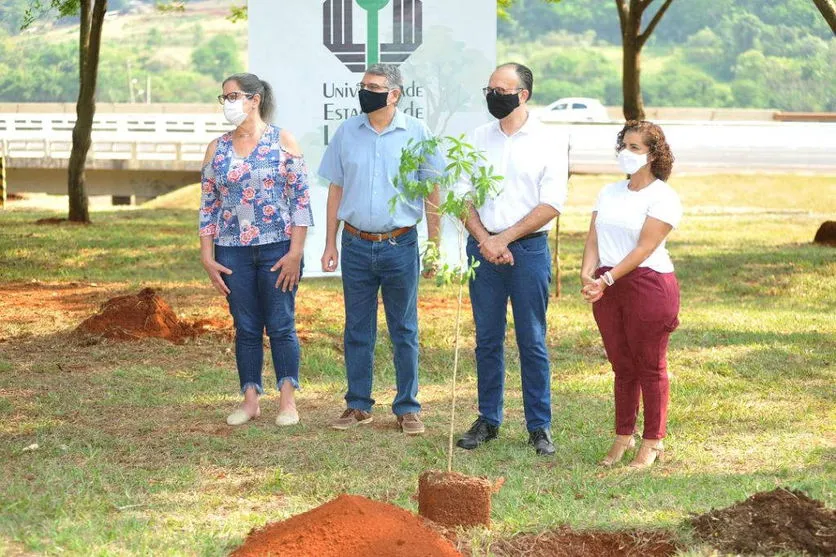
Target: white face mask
630, 162
234, 112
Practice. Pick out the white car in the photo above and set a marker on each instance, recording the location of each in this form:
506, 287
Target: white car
575, 109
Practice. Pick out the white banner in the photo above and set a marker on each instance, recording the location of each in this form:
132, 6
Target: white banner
313, 53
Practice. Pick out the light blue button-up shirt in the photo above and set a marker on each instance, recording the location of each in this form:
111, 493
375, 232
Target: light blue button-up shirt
365, 164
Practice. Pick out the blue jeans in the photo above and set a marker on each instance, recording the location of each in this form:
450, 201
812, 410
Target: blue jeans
526, 283
255, 304
392, 267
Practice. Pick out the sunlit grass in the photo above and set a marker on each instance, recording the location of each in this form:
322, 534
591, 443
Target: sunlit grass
134, 455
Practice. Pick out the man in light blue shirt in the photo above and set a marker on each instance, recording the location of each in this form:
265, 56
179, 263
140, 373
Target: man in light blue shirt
379, 245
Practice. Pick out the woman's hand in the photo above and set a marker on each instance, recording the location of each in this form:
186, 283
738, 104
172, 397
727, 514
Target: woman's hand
290, 266
214, 270
593, 290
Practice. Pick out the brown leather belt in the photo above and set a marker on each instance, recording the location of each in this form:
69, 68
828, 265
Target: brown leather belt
376, 236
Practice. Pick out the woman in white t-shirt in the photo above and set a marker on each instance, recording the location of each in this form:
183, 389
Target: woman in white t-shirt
628, 277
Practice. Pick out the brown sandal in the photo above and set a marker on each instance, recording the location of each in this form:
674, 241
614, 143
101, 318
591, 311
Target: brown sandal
648, 454
619, 447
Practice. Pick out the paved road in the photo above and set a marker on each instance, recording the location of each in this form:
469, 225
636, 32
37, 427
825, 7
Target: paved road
720, 146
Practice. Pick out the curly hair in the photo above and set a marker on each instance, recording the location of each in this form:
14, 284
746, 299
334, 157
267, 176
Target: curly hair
654, 137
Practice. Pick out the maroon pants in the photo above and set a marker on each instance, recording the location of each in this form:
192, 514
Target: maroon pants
636, 316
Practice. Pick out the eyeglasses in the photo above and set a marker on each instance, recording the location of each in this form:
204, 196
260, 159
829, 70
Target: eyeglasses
500, 91
234, 96
374, 87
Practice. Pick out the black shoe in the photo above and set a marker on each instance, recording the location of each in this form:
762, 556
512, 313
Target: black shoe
480, 432
542, 441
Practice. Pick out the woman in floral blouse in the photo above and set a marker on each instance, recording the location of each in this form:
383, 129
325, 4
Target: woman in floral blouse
255, 210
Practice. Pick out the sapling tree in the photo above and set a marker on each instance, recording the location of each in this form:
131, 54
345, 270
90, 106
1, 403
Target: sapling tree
465, 182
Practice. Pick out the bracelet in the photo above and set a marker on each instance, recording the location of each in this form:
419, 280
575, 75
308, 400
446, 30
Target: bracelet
608, 280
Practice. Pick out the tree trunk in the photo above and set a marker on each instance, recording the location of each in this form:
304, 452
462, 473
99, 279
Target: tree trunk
90, 40
631, 62
828, 10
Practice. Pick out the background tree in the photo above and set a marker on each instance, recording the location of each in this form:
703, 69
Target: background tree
91, 19
828, 10
633, 39
217, 57
630, 14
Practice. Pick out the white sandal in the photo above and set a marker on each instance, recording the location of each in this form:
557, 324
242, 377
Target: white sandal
240, 417
288, 417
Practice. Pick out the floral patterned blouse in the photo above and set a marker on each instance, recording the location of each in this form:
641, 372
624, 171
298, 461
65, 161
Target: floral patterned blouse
254, 200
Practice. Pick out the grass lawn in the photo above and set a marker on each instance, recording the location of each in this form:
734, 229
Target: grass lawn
134, 456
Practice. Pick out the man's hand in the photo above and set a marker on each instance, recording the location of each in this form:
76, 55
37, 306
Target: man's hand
495, 250
330, 258
290, 266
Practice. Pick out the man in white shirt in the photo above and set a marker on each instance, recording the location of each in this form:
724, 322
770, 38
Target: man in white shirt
509, 239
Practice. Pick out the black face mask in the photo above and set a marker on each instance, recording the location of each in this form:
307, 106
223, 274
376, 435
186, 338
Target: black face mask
501, 106
371, 101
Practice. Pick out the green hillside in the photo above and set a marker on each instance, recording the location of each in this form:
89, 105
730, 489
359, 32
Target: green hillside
184, 55
708, 53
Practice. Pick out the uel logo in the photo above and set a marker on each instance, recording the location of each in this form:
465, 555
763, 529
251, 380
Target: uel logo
338, 32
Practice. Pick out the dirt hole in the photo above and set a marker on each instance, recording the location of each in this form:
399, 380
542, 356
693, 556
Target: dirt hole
565, 542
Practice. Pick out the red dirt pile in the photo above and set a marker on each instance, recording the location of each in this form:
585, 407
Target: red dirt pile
140, 316
452, 499
564, 542
781, 520
348, 525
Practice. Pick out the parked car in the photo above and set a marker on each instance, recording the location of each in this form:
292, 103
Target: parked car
575, 109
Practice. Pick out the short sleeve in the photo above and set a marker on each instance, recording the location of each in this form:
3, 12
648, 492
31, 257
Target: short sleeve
666, 207
210, 203
296, 179
554, 183
434, 164
331, 167
598, 200
464, 185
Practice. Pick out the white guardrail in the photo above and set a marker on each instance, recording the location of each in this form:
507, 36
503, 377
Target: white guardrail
182, 139
136, 137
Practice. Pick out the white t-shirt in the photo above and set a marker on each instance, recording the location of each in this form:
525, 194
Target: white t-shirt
621, 216
534, 164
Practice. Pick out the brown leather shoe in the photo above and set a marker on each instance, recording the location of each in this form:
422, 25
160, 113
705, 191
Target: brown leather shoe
411, 424
352, 417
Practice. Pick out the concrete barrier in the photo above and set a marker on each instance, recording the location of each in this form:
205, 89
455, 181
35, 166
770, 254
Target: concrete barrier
2, 182
614, 112
805, 116
115, 108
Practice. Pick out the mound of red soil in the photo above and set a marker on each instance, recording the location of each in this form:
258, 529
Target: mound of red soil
140, 316
779, 520
348, 525
452, 499
826, 234
565, 542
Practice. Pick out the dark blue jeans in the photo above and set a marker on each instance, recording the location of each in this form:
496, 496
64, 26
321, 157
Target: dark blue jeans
255, 304
526, 284
390, 267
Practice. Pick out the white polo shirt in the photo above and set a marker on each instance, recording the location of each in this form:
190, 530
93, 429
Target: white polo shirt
534, 165
621, 216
